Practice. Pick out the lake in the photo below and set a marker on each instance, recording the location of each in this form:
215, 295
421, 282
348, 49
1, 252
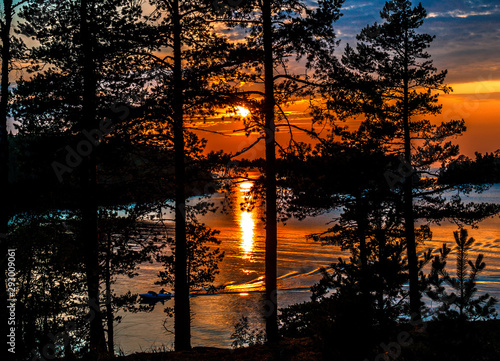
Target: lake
242, 236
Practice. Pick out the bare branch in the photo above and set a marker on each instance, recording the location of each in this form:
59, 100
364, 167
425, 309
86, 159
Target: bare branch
247, 148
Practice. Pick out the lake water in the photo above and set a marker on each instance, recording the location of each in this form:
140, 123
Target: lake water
243, 240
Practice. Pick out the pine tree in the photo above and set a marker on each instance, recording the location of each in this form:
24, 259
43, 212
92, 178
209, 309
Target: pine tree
462, 305
202, 258
397, 87
187, 74
82, 47
348, 175
50, 273
125, 243
280, 31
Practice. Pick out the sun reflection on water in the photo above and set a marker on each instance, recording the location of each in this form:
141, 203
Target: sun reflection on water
246, 222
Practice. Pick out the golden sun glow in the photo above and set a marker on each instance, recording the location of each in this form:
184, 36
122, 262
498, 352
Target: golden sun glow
246, 186
242, 111
247, 225
246, 222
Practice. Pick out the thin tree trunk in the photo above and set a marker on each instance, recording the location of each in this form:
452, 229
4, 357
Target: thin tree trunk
89, 180
363, 251
109, 308
408, 200
182, 321
271, 296
29, 324
381, 240
411, 248
461, 266
4, 168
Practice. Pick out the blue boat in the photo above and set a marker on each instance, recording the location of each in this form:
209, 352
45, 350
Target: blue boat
153, 296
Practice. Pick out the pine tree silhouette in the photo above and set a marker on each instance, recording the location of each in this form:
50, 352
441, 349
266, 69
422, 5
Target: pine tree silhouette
462, 302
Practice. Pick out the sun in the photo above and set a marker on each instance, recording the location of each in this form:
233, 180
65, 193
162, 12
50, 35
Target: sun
242, 111
246, 186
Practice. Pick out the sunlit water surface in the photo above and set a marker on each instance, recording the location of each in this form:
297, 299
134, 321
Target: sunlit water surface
242, 236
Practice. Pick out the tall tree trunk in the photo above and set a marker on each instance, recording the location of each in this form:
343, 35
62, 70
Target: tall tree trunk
363, 250
182, 321
28, 323
89, 207
4, 169
271, 296
408, 198
381, 240
109, 307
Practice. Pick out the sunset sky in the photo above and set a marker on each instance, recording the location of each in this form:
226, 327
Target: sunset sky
467, 44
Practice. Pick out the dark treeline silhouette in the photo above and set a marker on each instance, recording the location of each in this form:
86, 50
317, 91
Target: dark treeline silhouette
484, 169
107, 112
381, 176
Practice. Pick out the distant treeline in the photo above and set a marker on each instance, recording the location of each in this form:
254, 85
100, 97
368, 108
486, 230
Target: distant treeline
43, 175
483, 169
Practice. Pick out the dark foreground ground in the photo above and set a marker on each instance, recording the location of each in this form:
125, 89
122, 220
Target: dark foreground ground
436, 341
290, 349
